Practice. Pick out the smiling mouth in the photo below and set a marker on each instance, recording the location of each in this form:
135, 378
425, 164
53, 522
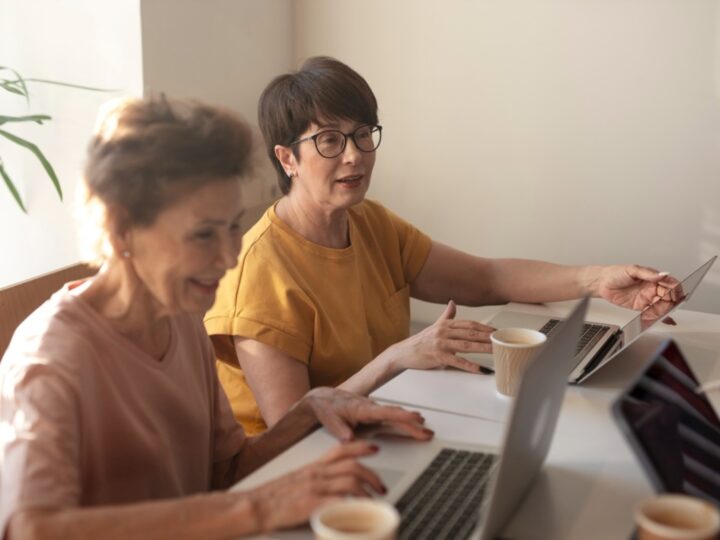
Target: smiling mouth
351, 180
206, 286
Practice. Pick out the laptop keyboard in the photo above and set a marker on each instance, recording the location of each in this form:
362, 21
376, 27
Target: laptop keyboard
590, 333
444, 501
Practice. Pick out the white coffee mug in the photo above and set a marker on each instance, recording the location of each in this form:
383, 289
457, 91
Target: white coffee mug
677, 517
356, 519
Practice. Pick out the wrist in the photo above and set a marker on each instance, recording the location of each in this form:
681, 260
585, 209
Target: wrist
253, 505
391, 362
589, 280
305, 410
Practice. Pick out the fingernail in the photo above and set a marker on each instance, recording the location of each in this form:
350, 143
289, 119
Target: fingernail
374, 448
663, 274
383, 489
427, 431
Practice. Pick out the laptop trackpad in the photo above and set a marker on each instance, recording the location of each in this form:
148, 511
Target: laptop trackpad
390, 477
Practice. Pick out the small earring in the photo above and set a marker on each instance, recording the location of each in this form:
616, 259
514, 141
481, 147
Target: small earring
126, 254
290, 174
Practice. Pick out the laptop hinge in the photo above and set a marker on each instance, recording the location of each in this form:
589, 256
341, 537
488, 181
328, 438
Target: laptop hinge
599, 356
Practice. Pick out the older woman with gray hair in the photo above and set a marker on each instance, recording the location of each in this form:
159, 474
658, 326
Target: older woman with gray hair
113, 423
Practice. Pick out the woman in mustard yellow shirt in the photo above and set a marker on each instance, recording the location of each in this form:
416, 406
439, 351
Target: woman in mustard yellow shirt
321, 292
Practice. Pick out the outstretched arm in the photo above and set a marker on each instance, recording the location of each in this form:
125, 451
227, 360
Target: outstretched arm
450, 274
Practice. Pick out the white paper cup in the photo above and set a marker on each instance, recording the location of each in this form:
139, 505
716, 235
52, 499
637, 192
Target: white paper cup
513, 351
677, 517
356, 519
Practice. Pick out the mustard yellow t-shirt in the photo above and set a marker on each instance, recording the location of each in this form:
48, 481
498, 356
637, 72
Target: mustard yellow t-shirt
334, 310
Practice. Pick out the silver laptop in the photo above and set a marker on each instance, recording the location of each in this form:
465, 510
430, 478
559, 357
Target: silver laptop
599, 342
445, 490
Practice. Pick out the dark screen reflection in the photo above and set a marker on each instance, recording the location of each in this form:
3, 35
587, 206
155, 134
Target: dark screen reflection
677, 430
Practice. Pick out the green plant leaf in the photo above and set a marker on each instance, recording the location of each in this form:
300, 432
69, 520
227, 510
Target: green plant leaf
11, 86
12, 188
38, 154
38, 118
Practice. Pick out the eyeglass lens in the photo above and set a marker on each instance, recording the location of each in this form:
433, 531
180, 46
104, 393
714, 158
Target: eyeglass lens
331, 143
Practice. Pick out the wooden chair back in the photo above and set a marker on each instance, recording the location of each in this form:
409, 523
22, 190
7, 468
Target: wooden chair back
21, 299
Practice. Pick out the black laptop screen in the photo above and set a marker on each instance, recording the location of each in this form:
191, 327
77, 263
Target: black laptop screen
674, 430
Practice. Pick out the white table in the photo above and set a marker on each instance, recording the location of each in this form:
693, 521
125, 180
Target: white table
591, 481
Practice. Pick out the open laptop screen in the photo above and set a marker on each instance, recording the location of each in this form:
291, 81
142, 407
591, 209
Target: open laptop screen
674, 431
662, 306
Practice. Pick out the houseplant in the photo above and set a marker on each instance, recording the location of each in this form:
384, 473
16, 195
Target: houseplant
11, 81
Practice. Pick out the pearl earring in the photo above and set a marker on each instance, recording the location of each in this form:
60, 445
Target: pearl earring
126, 254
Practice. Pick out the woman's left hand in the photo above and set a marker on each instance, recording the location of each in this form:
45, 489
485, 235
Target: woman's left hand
638, 287
340, 412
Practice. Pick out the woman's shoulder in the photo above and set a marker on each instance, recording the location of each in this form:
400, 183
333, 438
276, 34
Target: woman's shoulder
62, 313
373, 216
260, 227
368, 208
55, 337
264, 238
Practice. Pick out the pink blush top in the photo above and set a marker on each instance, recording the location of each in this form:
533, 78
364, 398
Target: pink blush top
87, 418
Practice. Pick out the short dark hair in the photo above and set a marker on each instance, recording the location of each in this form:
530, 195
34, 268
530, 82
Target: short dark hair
323, 88
146, 153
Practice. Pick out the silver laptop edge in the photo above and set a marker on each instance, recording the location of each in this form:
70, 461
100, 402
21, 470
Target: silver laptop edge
601, 351
526, 441
531, 426
636, 327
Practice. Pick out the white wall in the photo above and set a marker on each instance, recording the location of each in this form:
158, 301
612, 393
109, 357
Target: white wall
80, 41
223, 52
579, 132
571, 131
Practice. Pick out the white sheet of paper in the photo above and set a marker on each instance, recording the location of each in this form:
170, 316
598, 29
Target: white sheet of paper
447, 390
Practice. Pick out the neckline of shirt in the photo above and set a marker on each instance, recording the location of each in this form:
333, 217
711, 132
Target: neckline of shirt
317, 249
139, 355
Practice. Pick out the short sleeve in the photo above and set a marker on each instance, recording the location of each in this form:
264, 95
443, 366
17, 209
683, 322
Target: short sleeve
228, 434
414, 246
261, 300
39, 438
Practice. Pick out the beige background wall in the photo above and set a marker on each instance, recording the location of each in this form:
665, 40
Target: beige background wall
571, 131
223, 52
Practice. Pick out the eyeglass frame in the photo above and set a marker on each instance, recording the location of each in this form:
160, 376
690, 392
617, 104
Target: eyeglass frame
346, 136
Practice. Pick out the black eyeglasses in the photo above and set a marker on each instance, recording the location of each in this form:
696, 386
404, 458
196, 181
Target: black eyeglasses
330, 143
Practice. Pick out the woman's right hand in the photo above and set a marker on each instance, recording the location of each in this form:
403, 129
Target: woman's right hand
291, 499
436, 346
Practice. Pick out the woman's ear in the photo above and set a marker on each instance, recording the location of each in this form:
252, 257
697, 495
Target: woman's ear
119, 230
287, 159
